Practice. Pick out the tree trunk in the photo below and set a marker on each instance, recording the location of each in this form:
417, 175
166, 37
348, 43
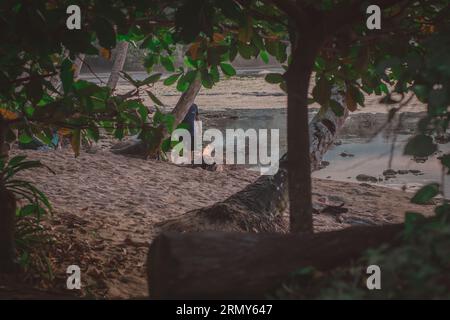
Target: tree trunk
7, 213
260, 206
324, 128
138, 147
219, 265
299, 163
119, 62
185, 102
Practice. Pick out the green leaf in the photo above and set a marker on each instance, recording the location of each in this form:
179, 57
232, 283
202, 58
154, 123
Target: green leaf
130, 79
154, 98
168, 63
143, 112
28, 210
182, 86
151, 79
272, 47
93, 133
168, 120
15, 161
274, 78
227, 69
420, 146
25, 138
426, 193
264, 56
215, 74
258, 42
66, 75
245, 50
207, 80
185, 80
172, 79
281, 52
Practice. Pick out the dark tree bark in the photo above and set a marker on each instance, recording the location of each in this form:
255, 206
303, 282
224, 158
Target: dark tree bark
7, 213
299, 163
219, 265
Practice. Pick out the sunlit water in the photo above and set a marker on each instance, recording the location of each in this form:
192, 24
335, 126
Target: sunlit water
369, 156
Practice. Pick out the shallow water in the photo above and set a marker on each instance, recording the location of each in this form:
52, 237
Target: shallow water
369, 156
372, 158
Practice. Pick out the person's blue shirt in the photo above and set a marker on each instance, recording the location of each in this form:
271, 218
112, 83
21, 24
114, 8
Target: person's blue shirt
190, 117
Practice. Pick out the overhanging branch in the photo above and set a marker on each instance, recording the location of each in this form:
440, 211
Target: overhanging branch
292, 10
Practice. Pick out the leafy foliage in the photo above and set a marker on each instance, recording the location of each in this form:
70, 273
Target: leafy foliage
418, 268
34, 202
30, 238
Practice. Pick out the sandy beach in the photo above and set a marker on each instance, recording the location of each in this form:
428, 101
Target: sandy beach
106, 207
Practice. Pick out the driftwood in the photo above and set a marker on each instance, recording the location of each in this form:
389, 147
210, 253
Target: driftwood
212, 265
260, 206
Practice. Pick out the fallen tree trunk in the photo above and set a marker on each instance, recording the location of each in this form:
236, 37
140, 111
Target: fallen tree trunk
213, 265
260, 206
138, 148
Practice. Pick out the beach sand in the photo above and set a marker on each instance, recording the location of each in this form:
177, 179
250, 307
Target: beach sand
106, 207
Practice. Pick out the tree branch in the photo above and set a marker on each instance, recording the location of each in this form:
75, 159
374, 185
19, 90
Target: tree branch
292, 10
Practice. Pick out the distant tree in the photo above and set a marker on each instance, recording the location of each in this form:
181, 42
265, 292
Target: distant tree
119, 62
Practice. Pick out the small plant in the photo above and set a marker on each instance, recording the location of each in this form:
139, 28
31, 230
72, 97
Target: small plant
34, 201
21, 207
416, 268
